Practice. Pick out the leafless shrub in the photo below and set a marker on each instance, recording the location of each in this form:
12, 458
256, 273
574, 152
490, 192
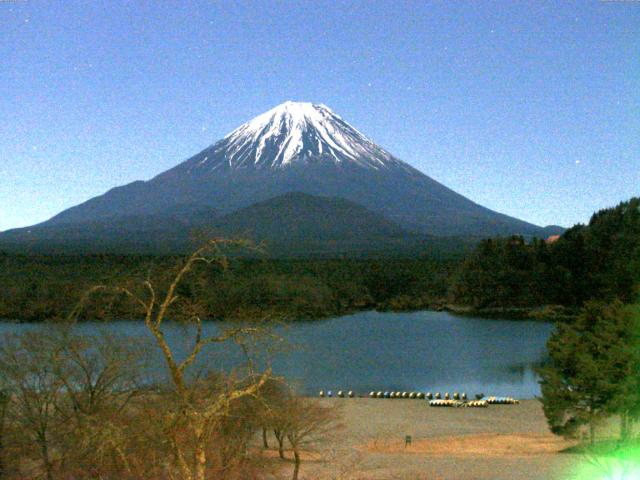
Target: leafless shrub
195, 413
63, 392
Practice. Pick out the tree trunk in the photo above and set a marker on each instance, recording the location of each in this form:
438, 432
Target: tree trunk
201, 460
180, 462
1, 455
592, 431
265, 443
4, 401
296, 467
280, 438
48, 467
624, 426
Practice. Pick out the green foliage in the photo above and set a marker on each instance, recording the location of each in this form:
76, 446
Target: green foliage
594, 368
39, 287
600, 261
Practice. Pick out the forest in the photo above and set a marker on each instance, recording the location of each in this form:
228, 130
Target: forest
597, 261
42, 287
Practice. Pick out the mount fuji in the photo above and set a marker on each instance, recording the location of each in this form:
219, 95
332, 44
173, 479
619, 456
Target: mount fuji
295, 147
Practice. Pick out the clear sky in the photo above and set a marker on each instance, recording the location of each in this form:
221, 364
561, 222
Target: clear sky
531, 109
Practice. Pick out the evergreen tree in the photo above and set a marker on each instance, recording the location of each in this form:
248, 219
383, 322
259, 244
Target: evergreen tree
627, 402
591, 369
599, 261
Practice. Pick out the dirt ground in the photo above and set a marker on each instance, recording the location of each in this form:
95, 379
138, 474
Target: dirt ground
499, 442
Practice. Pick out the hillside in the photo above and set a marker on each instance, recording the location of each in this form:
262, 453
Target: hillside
598, 261
294, 225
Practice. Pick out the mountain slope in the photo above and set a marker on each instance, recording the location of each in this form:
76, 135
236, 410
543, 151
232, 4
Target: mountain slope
165, 232
300, 225
306, 148
299, 217
293, 224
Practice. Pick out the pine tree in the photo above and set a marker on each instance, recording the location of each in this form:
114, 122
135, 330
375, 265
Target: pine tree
627, 401
591, 373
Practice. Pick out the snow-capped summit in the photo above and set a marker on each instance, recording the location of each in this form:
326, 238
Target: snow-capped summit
297, 147
296, 132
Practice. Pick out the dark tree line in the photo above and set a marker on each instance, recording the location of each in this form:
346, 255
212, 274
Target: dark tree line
598, 261
39, 287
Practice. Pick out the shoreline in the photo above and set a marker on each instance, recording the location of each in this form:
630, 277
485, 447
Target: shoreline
542, 313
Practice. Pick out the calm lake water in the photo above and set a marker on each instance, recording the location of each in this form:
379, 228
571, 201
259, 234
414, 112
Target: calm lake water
417, 351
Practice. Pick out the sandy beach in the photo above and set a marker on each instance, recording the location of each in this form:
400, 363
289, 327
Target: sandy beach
499, 442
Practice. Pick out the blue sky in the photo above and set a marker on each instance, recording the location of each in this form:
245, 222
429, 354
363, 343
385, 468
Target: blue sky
531, 109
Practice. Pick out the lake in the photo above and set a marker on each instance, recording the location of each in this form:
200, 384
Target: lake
414, 351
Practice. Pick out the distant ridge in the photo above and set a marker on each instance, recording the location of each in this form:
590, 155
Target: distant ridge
291, 225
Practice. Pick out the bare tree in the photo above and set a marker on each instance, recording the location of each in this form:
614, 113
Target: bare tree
196, 411
4, 402
269, 410
307, 424
26, 366
100, 374
279, 432
65, 394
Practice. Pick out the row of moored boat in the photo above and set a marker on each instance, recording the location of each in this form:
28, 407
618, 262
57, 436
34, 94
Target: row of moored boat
435, 399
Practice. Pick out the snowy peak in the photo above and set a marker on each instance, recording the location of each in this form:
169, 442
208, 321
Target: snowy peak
293, 133
295, 147
295, 116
